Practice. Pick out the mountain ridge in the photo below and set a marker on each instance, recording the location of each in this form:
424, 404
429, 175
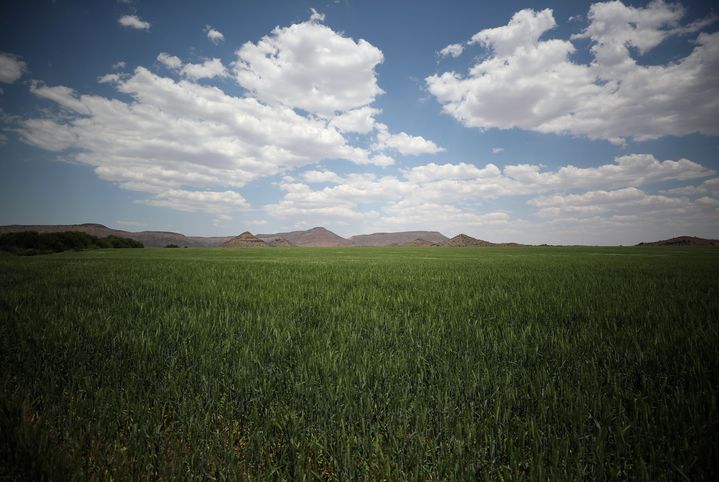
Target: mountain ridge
314, 237
397, 238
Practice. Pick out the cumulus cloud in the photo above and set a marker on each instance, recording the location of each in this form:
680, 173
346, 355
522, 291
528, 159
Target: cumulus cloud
710, 186
626, 201
708, 201
133, 21
311, 67
532, 83
11, 68
170, 61
321, 176
214, 35
451, 195
208, 69
199, 201
410, 215
404, 143
119, 65
176, 135
109, 78
189, 145
359, 120
453, 50
497, 150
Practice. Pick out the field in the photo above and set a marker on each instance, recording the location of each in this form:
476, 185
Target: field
436, 363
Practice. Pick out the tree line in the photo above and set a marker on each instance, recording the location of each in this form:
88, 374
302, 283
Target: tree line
32, 243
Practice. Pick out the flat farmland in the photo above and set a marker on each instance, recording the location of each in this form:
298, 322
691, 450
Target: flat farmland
361, 363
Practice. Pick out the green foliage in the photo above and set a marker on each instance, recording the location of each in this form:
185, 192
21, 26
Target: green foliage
346, 364
31, 242
172, 246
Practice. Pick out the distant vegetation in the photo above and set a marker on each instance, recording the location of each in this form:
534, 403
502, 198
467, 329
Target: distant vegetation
32, 243
171, 246
365, 364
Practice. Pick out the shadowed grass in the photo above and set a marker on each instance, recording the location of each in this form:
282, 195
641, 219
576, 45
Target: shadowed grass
501, 363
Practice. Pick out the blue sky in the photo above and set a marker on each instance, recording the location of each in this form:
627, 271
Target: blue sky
539, 122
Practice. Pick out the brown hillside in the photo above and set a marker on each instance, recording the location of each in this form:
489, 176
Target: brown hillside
280, 243
315, 237
462, 240
683, 241
401, 238
418, 243
245, 240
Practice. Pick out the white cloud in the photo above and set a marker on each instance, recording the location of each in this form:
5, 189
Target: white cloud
11, 68
311, 67
710, 186
315, 16
199, 201
404, 143
444, 172
381, 160
170, 61
625, 201
453, 50
633, 169
208, 69
321, 176
177, 136
451, 195
359, 120
119, 65
708, 201
110, 78
133, 21
63, 96
523, 30
497, 150
214, 35
534, 84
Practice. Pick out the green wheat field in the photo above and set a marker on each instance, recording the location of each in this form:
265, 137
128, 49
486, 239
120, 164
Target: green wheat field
535, 363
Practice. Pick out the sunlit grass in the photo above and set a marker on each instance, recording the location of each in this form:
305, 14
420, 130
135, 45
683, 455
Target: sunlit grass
434, 363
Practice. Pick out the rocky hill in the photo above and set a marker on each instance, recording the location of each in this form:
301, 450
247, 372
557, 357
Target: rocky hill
419, 243
683, 241
462, 240
280, 243
315, 237
245, 240
401, 238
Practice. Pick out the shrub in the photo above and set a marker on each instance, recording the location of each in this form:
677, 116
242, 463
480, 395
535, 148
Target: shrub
32, 243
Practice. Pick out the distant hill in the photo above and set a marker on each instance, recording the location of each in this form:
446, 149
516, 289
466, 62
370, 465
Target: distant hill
245, 240
209, 241
152, 239
315, 237
683, 241
462, 240
280, 243
401, 238
419, 243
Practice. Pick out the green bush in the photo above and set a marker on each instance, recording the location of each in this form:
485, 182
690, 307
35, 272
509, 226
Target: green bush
32, 243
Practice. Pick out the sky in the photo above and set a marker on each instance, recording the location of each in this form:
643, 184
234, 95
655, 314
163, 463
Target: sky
561, 122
